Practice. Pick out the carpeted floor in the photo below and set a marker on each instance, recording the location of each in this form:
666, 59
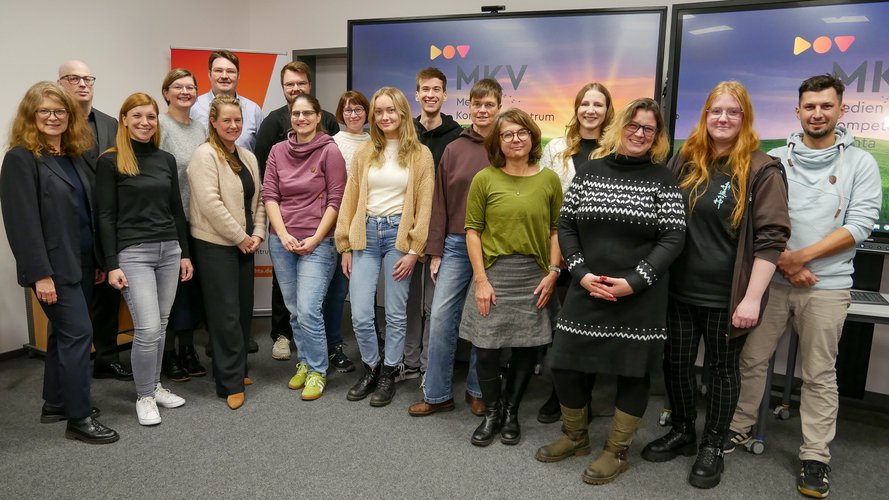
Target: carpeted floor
278, 446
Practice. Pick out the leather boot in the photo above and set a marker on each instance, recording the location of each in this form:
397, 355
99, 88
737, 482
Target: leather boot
516, 383
172, 369
385, 387
681, 440
188, 357
613, 459
575, 439
707, 469
550, 411
490, 426
366, 384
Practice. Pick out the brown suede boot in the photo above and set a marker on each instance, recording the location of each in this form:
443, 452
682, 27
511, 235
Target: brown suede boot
613, 459
574, 439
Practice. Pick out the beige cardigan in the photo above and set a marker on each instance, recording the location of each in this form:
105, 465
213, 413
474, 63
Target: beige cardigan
217, 198
350, 231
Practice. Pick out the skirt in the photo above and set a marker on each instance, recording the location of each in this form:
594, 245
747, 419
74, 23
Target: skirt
515, 321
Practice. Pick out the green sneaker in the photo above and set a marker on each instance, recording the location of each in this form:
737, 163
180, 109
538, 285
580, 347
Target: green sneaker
314, 387
299, 380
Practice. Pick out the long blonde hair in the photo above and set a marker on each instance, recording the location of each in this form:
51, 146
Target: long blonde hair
699, 151
612, 138
126, 158
213, 136
76, 139
572, 130
409, 146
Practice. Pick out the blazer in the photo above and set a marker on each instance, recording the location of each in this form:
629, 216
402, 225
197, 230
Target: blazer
106, 128
39, 207
217, 198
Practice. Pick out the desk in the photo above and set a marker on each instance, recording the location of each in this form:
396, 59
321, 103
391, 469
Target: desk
869, 313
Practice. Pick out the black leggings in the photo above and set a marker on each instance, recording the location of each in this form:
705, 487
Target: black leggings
631, 398
687, 324
487, 364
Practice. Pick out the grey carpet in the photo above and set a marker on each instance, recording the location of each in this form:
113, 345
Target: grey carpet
278, 446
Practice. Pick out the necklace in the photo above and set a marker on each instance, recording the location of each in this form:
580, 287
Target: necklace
516, 179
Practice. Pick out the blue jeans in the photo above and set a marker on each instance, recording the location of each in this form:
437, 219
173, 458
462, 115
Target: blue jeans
334, 303
304, 280
152, 271
379, 256
454, 276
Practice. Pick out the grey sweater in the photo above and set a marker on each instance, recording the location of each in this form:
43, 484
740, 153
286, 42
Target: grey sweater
181, 141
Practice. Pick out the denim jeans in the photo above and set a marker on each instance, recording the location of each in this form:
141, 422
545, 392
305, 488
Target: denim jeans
304, 280
152, 271
379, 256
454, 276
334, 303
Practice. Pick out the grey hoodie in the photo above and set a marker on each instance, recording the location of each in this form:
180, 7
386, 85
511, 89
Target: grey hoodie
818, 207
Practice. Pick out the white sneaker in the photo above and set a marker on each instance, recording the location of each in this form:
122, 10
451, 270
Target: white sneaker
281, 348
146, 411
167, 399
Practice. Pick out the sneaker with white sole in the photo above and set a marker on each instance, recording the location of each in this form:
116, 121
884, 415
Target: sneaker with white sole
404, 372
281, 348
314, 387
163, 397
146, 411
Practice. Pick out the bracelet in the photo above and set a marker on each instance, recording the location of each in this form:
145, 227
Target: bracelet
555, 269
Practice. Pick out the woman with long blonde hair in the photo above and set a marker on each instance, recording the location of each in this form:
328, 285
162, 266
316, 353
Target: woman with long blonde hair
737, 226
382, 228
144, 240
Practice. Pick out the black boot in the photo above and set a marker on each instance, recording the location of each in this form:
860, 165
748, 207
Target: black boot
172, 369
516, 383
550, 411
681, 440
385, 387
490, 426
190, 362
707, 469
366, 384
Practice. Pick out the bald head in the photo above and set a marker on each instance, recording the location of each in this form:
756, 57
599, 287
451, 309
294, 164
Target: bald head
74, 76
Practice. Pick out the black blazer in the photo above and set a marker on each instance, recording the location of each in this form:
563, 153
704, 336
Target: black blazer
106, 128
39, 207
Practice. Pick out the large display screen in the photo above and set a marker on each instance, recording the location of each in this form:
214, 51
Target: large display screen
771, 49
540, 59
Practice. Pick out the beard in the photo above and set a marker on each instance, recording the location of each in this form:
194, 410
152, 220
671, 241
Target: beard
819, 134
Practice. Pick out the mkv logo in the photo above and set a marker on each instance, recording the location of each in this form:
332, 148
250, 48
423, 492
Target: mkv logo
822, 44
448, 52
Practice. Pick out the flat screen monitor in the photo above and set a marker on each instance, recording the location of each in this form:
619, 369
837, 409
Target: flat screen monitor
540, 58
771, 49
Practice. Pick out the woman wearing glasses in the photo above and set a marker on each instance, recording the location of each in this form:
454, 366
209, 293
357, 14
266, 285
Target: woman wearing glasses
382, 228
304, 181
512, 212
621, 227
181, 136
719, 283
46, 200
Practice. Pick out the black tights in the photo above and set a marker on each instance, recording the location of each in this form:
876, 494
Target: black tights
488, 361
631, 398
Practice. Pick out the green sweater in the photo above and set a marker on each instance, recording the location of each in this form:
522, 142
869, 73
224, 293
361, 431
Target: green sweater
514, 215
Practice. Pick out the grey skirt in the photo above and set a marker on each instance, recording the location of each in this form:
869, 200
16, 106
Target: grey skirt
515, 321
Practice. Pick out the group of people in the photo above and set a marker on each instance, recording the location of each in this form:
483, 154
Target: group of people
593, 246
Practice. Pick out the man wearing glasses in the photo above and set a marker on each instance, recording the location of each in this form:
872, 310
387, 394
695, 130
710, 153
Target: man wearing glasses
77, 79
295, 80
224, 75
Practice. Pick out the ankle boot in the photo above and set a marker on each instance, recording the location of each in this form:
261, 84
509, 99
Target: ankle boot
550, 411
681, 440
613, 459
516, 383
366, 384
190, 362
707, 469
575, 439
385, 387
172, 369
490, 426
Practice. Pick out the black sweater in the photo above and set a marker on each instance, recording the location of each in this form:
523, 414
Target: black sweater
144, 208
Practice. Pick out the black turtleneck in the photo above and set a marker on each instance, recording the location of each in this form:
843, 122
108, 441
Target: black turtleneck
143, 208
583, 154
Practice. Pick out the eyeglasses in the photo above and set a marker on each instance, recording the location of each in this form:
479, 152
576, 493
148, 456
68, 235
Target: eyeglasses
647, 131
180, 88
224, 71
292, 85
732, 113
60, 113
306, 114
482, 105
522, 134
353, 111
75, 79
